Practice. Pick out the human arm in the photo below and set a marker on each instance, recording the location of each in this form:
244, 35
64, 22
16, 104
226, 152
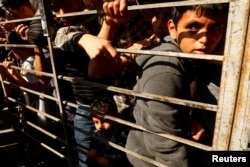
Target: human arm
14, 76
115, 15
100, 51
110, 62
197, 130
41, 65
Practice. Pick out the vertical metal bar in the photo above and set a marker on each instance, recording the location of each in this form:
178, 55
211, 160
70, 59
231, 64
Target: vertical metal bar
241, 125
234, 51
48, 31
2, 84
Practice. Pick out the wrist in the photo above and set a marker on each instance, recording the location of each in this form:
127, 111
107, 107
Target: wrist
81, 40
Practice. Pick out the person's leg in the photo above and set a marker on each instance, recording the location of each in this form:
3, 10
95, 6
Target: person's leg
83, 121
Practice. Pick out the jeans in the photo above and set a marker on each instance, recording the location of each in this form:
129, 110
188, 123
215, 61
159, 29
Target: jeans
83, 121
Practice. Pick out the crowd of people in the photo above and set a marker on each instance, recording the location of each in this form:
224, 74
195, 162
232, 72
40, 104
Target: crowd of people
85, 50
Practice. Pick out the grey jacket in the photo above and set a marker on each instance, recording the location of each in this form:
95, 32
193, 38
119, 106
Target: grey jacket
166, 76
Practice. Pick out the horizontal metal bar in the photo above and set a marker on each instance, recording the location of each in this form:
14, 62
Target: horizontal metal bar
32, 91
45, 131
169, 136
175, 4
18, 45
188, 103
46, 146
20, 20
179, 139
40, 129
147, 52
116, 146
146, 6
34, 110
30, 71
6, 131
173, 54
8, 145
139, 156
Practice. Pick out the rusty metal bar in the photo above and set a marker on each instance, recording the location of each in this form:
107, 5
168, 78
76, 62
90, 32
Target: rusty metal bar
168, 136
172, 54
3, 86
18, 45
144, 158
45, 132
20, 20
146, 52
46, 146
232, 124
139, 156
32, 91
47, 31
41, 129
234, 52
34, 109
31, 71
241, 125
147, 6
183, 102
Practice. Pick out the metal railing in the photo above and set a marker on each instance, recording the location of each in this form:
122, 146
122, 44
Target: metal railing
232, 112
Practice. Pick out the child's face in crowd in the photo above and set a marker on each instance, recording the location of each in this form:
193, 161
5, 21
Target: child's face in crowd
66, 6
104, 126
21, 12
196, 33
159, 22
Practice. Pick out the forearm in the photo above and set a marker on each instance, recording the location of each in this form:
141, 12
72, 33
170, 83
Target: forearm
108, 30
115, 15
19, 80
41, 65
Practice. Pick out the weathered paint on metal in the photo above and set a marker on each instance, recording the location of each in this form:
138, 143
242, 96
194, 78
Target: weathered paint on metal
241, 126
233, 56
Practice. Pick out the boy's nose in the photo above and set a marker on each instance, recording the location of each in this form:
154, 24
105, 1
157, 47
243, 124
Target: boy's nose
99, 126
203, 38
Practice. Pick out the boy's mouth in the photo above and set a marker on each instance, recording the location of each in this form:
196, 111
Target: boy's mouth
200, 51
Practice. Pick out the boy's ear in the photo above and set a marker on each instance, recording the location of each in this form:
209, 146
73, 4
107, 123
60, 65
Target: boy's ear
172, 29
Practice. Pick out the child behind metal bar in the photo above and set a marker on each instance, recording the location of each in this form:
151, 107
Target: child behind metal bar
101, 153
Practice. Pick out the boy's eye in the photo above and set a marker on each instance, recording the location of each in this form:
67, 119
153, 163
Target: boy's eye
217, 27
193, 27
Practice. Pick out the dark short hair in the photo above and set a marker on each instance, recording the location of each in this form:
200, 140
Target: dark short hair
210, 10
103, 105
14, 3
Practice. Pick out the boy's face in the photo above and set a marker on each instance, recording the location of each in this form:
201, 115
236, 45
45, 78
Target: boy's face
66, 6
159, 22
196, 33
23, 11
102, 125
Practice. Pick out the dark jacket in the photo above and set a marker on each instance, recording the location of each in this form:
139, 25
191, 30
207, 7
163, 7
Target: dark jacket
164, 76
